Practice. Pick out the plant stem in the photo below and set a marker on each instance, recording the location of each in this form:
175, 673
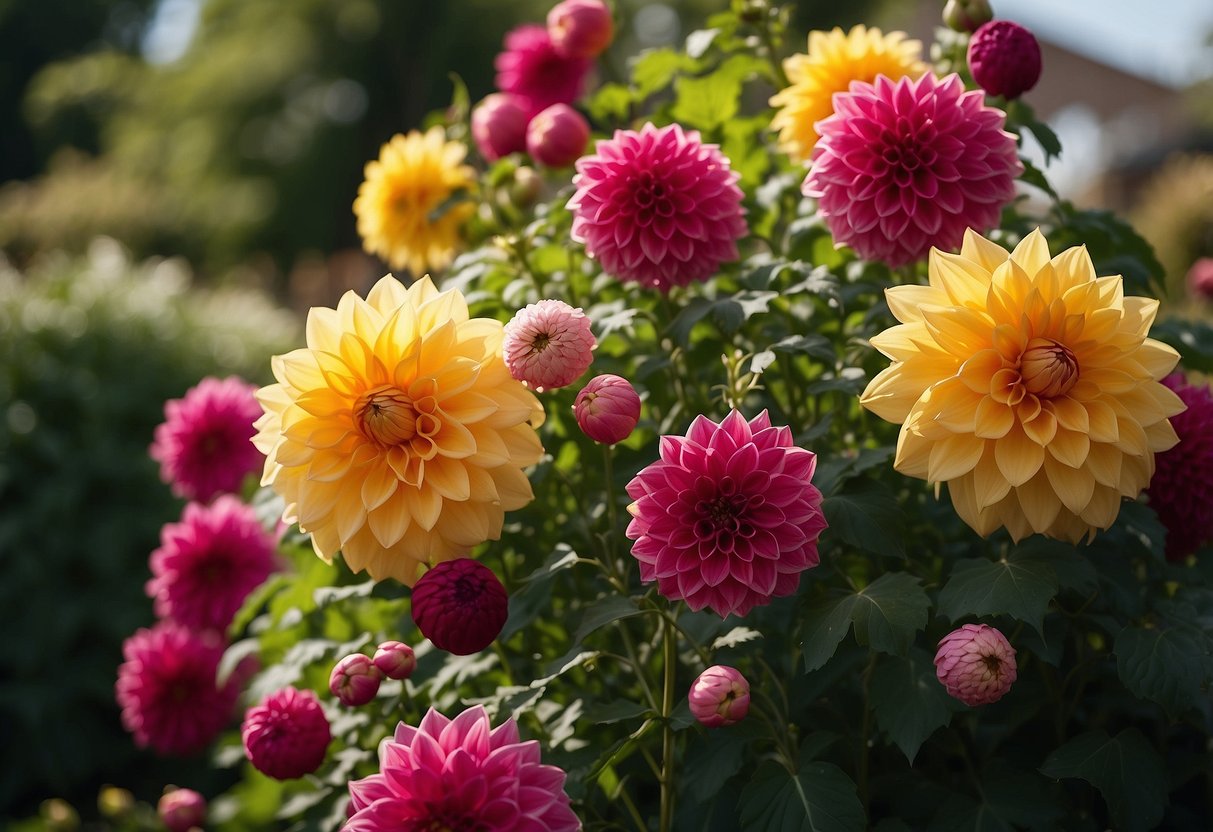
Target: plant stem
864, 732
670, 662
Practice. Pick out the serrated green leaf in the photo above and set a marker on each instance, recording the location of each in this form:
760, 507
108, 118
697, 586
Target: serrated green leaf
603, 612
1019, 587
866, 515
1126, 770
653, 70
706, 103
819, 798
909, 701
1168, 666
824, 629
889, 611
611, 103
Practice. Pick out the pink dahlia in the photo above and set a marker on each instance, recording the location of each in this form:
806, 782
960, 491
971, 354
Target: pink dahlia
976, 664
167, 690
460, 606
658, 207
1004, 58
461, 774
720, 696
556, 137
1181, 490
1200, 279
727, 518
209, 562
905, 165
607, 409
548, 344
204, 446
499, 126
286, 736
533, 71
182, 810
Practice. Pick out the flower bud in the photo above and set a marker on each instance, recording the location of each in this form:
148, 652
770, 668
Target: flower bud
355, 680
720, 696
182, 809
59, 816
526, 188
114, 803
1004, 58
1200, 279
395, 660
460, 606
976, 664
967, 15
607, 409
580, 28
287, 735
556, 137
499, 126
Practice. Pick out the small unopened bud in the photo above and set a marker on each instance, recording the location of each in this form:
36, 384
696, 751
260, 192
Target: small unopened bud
114, 803
967, 15
607, 409
580, 28
526, 188
355, 680
1200, 279
395, 660
182, 810
499, 126
59, 815
720, 696
1004, 58
557, 136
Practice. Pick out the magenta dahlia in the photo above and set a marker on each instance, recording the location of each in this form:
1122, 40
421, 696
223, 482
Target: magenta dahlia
204, 446
658, 207
548, 344
287, 735
1181, 490
537, 75
209, 562
167, 689
727, 518
461, 774
905, 165
976, 664
460, 606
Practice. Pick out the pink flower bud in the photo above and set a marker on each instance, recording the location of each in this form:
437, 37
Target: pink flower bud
580, 28
460, 606
976, 664
967, 15
1200, 279
720, 696
182, 810
395, 660
355, 680
1004, 58
287, 735
499, 126
556, 137
607, 409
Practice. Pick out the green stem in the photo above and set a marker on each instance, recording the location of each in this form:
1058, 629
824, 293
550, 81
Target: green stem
633, 811
667, 739
864, 733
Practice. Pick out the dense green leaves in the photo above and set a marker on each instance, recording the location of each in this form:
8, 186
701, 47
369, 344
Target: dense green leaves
865, 514
818, 798
887, 613
1126, 770
1169, 665
1020, 586
909, 701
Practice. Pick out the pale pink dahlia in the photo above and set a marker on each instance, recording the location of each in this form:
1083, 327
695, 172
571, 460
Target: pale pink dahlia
204, 446
976, 664
719, 697
531, 69
461, 774
903, 166
548, 344
658, 207
209, 562
727, 518
1181, 490
167, 691
287, 735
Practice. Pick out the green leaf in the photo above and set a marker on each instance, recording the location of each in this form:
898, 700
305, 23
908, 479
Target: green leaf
708, 102
653, 70
889, 611
611, 103
909, 701
617, 711
866, 515
603, 612
1126, 770
1047, 139
1168, 666
1018, 586
824, 629
820, 798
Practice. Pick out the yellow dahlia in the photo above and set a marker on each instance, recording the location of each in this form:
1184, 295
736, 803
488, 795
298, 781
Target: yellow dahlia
835, 60
398, 436
1028, 385
403, 209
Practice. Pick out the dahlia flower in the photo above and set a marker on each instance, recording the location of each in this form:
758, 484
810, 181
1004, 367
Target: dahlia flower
556, 137
203, 444
531, 69
395, 660
209, 562
167, 690
355, 680
727, 518
287, 735
1028, 385
657, 207
460, 606
397, 435
460, 773
1004, 58
182, 810
1181, 490
903, 166
976, 664
1200, 279
835, 60
548, 344
720, 696
499, 126
607, 409
407, 208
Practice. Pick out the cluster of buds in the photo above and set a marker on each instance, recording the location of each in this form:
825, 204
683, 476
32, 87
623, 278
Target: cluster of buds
356, 678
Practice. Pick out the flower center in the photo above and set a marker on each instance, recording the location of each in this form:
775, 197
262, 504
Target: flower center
386, 415
540, 342
651, 197
722, 515
1048, 368
993, 665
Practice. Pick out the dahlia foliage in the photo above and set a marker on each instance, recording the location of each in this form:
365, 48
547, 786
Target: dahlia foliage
810, 464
